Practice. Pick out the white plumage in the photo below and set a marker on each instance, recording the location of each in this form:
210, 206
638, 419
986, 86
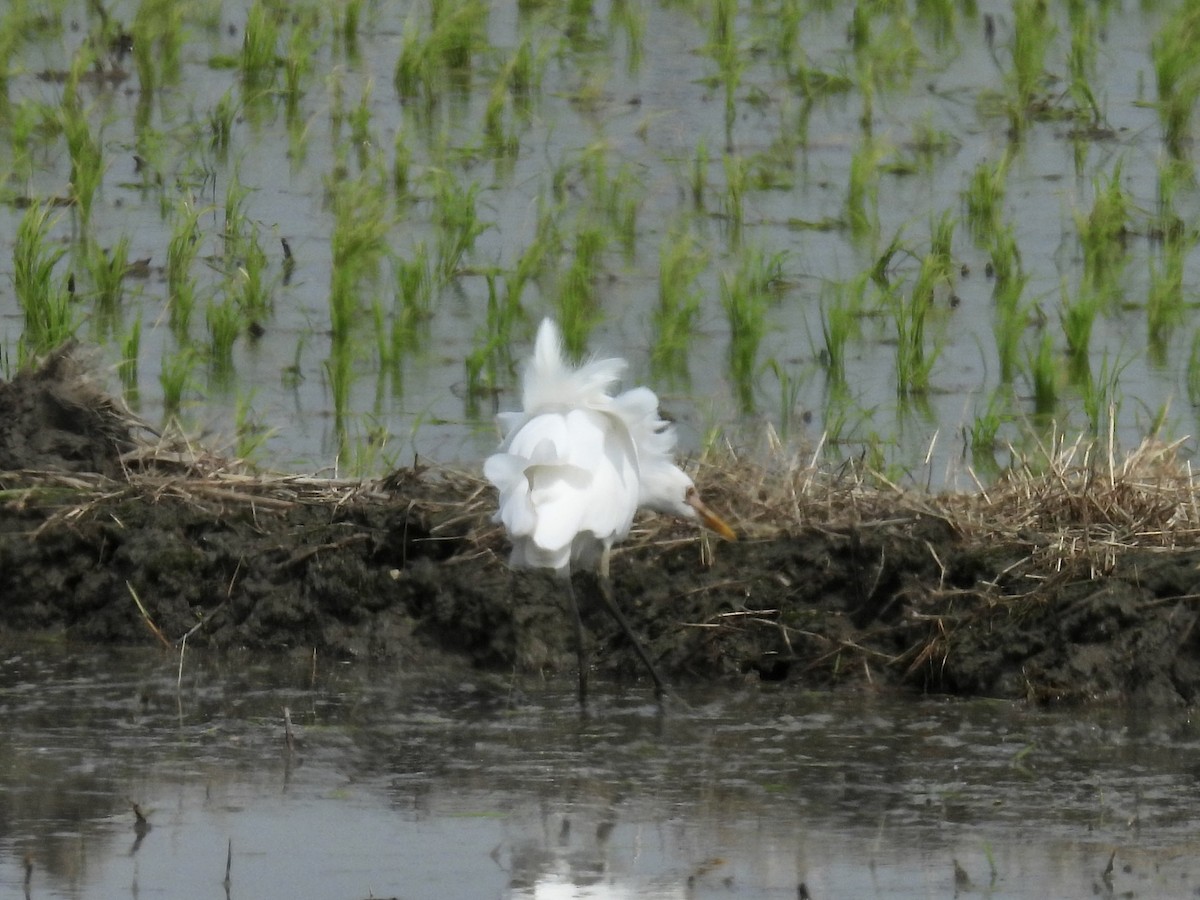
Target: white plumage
577, 461
575, 465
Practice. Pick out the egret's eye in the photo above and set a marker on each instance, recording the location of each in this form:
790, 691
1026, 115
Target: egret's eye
690, 493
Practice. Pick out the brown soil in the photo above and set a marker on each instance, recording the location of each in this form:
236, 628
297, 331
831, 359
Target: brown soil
104, 538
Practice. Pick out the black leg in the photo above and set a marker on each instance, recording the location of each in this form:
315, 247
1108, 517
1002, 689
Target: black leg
580, 647
615, 611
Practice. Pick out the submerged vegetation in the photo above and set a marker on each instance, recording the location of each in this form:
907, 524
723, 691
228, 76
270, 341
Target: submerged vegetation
823, 216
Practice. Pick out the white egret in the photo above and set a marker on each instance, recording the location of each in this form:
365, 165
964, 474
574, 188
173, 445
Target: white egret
574, 466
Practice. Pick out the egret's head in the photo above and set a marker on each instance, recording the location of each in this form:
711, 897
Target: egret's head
668, 489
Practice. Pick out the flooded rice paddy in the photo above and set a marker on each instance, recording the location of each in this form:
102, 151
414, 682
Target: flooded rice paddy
322, 234
456, 784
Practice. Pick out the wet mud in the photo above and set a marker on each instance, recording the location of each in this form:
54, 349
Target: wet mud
103, 542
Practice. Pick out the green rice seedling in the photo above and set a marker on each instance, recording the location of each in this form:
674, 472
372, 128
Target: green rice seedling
106, 269
737, 172
985, 432
984, 197
577, 27
858, 32
914, 362
401, 165
784, 38
292, 375
1081, 62
621, 199
127, 368
248, 283
251, 435
524, 72
630, 18
866, 94
182, 249
725, 50
577, 305
840, 311
941, 247
1010, 323
10, 40
594, 172
411, 74
929, 143
940, 17
478, 366
1166, 223
145, 57
414, 291
149, 164
502, 318
763, 273
842, 419
360, 126
359, 243
389, 348
1044, 375
260, 42
1193, 370
360, 118
86, 153
339, 370
457, 220
1161, 417
1165, 299
862, 191
158, 32
458, 28
336, 83
175, 379
303, 43
224, 324
534, 262
874, 458
220, 122
25, 119
499, 140
1033, 33
699, 175
1102, 232
746, 312
1078, 317
880, 271
236, 224
492, 351
790, 386
887, 54
812, 83
1177, 75
1102, 398
46, 303
349, 27
680, 262
1005, 255
429, 63
941, 243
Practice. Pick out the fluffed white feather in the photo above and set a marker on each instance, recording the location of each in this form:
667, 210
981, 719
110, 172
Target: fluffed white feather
576, 462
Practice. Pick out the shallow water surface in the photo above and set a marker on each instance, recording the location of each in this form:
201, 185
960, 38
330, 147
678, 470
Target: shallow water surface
469, 785
623, 142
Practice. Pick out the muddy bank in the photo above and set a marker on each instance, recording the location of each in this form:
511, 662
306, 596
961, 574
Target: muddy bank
848, 587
